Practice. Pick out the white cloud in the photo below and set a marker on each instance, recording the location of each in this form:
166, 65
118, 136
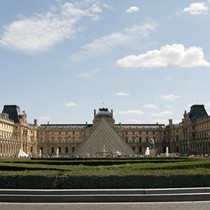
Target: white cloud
175, 54
107, 6
109, 42
168, 97
121, 94
199, 8
150, 106
132, 9
162, 114
141, 30
131, 112
70, 104
89, 74
42, 31
96, 8
100, 46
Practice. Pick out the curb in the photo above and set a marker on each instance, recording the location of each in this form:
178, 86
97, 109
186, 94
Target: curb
105, 195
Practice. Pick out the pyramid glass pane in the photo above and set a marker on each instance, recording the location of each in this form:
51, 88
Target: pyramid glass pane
103, 141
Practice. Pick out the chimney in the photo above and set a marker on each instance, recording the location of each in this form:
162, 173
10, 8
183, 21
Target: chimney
94, 113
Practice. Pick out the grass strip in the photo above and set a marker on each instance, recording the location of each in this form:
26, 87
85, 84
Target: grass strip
105, 167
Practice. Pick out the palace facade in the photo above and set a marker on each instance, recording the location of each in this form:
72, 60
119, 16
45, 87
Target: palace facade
16, 133
103, 137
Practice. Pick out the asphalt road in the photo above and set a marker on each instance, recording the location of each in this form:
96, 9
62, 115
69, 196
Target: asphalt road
107, 206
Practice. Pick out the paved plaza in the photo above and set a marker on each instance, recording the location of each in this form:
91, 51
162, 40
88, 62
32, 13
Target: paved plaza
109, 206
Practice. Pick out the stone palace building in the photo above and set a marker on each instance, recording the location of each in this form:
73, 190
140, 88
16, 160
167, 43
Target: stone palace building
103, 137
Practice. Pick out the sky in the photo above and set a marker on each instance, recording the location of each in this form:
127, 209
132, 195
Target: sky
147, 60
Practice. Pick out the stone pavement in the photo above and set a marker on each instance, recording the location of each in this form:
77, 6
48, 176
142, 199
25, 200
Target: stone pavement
107, 206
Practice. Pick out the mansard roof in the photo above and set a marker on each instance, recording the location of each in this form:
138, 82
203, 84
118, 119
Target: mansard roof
104, 112
65, 126
126, 126
13, 111
142, 126
197, 112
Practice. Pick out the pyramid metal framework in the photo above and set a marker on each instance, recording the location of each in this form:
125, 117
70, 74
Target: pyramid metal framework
102, 142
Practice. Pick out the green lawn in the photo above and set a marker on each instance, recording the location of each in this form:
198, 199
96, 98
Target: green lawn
141, 166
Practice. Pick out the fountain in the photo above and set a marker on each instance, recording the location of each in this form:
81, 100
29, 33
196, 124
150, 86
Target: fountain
104, 150
167, 152
40, 153
57, 152
147, 153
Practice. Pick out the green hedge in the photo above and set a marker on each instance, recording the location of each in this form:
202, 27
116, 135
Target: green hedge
104, 167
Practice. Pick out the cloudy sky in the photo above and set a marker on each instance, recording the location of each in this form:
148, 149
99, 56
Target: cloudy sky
147, 60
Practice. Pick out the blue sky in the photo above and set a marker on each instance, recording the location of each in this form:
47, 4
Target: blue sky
147, 60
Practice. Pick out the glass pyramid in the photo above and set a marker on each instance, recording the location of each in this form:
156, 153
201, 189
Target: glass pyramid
104, 141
